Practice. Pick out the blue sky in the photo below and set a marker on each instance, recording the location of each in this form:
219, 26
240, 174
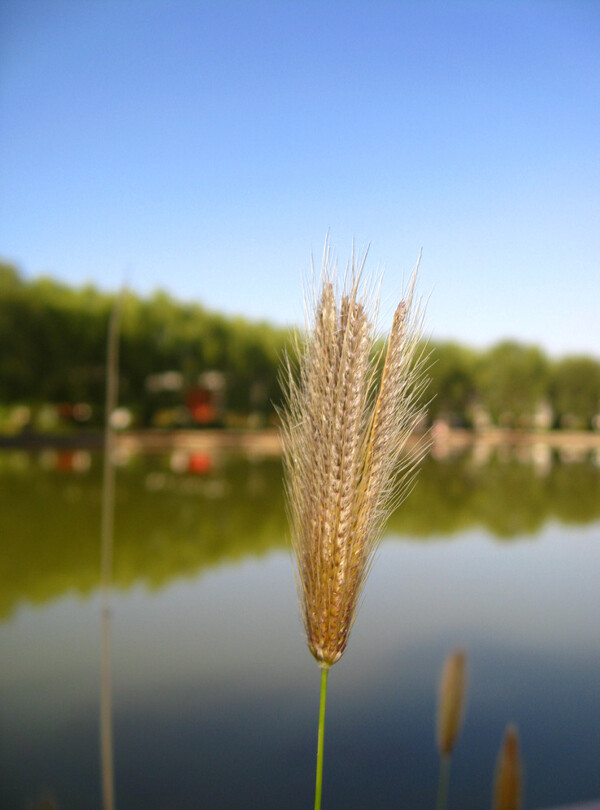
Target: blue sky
207, 148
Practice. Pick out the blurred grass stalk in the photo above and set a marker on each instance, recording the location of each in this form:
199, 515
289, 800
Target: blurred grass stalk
451, 706
106, 557
346, 455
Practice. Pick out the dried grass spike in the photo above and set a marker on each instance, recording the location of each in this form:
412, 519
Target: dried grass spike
344, 447
451, 705
344, 454
509, 778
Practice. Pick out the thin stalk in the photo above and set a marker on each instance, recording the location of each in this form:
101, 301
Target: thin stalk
319, 779
106, 559
442, 798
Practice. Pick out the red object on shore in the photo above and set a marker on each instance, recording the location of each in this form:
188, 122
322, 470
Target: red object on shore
64, 461
199, 463
200, 404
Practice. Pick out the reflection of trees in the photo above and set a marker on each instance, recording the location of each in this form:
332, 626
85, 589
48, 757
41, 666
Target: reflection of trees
574, 493
166, 526
183, 524
505, 498
170, 525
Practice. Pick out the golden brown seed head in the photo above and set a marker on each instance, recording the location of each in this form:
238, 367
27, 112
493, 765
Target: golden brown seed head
508, 781
344, 449
453, 686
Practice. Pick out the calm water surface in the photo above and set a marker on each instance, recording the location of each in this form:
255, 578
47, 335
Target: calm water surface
215, 696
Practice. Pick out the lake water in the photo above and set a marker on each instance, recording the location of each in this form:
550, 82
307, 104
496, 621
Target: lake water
214, 693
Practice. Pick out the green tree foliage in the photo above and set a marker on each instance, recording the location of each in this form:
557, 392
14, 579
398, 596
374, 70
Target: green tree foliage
575, 391
9, 278
53, 345
452, 382
511, 381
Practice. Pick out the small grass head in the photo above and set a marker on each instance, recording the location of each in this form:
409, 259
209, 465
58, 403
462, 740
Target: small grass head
451, 705
508, 784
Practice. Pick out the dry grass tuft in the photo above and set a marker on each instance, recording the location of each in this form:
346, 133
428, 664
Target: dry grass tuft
347, 461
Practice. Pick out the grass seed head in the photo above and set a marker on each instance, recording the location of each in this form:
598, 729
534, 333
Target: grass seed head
453, 685
509, 778
346, 458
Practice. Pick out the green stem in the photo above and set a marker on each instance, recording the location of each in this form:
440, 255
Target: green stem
442, 798
319, 780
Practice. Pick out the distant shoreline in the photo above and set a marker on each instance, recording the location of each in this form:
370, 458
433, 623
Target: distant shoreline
266, 442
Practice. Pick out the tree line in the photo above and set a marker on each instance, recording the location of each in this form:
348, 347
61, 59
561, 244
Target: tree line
53, 350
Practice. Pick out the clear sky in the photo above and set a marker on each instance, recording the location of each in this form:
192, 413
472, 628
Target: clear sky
207, 148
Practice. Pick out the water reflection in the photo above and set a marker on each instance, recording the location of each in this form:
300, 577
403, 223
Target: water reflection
176, 517
215, 696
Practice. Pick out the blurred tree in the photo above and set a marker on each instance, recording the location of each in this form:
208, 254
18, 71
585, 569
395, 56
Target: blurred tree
9, 278
512, 381
452, 383
53, 343
575, 391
